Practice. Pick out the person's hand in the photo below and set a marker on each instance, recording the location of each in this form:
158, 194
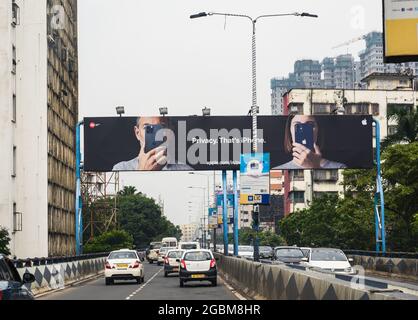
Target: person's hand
305, 157
155, 160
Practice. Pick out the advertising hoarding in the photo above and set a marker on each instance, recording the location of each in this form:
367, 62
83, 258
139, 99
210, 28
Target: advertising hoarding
216, 143
400, 19
255, 179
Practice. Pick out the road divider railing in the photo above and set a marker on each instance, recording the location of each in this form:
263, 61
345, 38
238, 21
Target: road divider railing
56, 273
401, 264
279, 282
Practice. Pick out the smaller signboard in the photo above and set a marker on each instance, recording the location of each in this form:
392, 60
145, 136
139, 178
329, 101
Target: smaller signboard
255, 179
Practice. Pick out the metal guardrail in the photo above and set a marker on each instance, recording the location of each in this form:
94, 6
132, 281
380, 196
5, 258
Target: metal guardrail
401, 255
30, 262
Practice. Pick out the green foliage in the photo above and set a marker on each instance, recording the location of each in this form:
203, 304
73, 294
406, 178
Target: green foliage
331, 222
4, 241
266, 238
110, 241
138, 215
349, 223
406, 129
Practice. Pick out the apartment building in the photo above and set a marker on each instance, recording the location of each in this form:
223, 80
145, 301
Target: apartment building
39, 108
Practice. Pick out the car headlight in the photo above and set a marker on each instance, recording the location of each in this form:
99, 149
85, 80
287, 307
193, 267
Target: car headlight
348, 269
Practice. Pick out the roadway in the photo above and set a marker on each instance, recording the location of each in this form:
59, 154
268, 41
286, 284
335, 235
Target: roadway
156, 287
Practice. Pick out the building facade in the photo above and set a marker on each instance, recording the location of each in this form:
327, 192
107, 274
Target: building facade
301, 187
38, 98
189, 232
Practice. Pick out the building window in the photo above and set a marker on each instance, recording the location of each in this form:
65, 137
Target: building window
361, 108
297, 196
321, 108
297, 175
375, 109
326, 175
392, 130
296, 108
14, 110
17, 219
396, 108
14, 162
14, 60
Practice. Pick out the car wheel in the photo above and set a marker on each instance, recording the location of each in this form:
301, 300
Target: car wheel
150, 261
181, 283
214, 283
165, 274
158, 263
108, 281
142, 279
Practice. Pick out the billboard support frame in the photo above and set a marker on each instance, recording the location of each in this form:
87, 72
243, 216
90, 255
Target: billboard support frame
379, 198
236, 211
225, 211
78, 199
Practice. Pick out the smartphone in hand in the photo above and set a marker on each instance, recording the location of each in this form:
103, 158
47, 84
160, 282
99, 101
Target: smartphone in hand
304, 135
150, 135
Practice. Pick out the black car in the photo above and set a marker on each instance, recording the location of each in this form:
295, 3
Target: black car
12, 287
289, 255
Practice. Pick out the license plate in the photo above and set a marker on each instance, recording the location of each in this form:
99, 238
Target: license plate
198, 276
124, 266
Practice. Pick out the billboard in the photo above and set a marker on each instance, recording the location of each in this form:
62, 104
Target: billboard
216, 143
400, 24
255, 179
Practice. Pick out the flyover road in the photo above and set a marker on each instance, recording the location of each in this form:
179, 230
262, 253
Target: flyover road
155, 287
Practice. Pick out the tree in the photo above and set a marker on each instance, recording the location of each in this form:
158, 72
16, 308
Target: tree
406, 128
128, 191
400, 173
110, 241
331, 222
4, 241
266, 238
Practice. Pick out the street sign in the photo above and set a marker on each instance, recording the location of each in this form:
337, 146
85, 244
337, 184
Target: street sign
255, 179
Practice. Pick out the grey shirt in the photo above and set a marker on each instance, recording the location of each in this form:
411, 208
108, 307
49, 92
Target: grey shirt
132, 165
326, 165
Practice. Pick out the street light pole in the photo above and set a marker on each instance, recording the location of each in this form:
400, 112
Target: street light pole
254, 102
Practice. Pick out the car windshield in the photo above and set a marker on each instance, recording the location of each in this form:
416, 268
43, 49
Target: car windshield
197, 256
246, 248
189, 246
175, 254
155, 246
328, 255
122, 255
266, 249
305, 252
289, 253
162, 250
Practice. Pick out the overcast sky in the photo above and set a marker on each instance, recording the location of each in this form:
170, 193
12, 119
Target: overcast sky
148, 54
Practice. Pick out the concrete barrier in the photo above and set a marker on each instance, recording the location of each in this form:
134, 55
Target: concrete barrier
278, 282
400, 267
57, 273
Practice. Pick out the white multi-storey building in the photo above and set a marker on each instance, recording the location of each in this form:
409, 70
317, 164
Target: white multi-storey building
38, 107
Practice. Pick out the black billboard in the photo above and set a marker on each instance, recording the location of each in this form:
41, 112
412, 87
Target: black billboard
216, 143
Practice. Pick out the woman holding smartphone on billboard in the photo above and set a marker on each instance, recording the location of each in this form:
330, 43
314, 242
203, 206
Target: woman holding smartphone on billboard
303, 139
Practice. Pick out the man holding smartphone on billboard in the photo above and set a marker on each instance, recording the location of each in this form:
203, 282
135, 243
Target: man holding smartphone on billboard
153, 154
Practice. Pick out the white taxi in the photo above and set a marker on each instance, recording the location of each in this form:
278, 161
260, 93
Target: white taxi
123, 264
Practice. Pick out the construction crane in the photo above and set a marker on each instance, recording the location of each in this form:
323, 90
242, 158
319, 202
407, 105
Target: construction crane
350, 42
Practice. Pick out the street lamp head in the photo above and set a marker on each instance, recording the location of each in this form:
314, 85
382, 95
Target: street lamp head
206, 112
305, 14
199, 15
120, 110
163, 111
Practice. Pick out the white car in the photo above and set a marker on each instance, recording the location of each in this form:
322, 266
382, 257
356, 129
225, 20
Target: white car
189, 245
161, 254
333, 260
245, 251
124, 264
170, 262
198, 265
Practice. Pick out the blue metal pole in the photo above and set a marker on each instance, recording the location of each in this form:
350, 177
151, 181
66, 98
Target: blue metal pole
236, 212
379, 197
225, 211
78, 199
